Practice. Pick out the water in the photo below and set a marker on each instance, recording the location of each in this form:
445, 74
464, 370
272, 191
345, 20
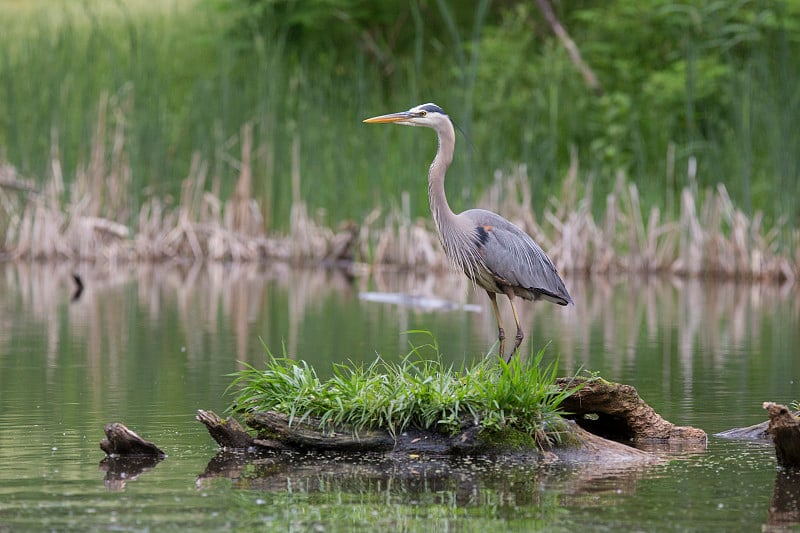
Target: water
148, 347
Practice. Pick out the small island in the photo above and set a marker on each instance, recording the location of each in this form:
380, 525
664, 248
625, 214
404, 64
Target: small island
422, 406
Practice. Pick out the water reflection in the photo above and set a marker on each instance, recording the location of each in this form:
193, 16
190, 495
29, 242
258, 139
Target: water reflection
466, 481
120, 470
289, 307
784, 508
149, 345
688, 346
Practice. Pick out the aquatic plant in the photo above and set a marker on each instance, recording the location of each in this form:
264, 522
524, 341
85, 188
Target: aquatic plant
418, 391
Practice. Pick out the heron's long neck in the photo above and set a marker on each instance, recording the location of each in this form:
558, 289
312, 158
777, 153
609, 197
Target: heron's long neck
455, 238
443, 216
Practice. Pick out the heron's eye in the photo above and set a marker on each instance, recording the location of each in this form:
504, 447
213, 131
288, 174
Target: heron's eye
423, 113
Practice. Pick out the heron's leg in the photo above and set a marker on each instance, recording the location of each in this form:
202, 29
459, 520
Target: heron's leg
501, 334
520, 335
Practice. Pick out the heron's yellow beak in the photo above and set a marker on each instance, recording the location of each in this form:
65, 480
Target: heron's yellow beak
392, 117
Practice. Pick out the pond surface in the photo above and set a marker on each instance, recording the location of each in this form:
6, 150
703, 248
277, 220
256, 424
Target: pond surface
148, 347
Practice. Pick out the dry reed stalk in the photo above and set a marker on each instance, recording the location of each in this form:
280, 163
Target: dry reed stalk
716, 239
711, 236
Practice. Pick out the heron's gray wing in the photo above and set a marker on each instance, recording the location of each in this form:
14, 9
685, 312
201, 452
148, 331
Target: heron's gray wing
513, 256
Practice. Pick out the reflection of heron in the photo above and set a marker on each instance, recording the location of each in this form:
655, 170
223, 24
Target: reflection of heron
494, 253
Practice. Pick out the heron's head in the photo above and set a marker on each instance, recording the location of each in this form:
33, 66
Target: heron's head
428, 115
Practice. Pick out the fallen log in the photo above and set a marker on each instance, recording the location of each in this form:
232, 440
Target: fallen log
602, 417
275, 432
121, 441
784, 428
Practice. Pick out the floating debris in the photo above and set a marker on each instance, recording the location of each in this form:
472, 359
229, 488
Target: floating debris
428, 303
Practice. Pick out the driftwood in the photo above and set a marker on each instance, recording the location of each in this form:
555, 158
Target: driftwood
602, 414
616, 412
121, 442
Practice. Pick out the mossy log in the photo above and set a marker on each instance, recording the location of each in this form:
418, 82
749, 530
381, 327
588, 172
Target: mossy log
603, 413
122, 442
276, 433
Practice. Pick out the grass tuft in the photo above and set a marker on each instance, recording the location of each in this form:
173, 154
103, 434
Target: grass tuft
520, 396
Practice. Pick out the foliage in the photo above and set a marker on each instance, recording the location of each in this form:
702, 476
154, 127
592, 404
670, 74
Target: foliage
418, 391
697, 80
699, 75
694, 94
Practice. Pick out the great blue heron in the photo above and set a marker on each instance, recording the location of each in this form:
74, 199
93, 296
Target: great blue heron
494, 253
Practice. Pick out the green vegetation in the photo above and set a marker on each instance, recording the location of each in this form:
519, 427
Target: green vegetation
515, 398
692, 94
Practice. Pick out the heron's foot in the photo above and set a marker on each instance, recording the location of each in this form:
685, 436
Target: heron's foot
515, 349
518, 340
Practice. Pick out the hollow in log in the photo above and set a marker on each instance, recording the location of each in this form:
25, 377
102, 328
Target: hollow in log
617, 412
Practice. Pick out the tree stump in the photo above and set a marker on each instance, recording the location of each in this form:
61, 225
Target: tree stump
784, 428
121, 441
